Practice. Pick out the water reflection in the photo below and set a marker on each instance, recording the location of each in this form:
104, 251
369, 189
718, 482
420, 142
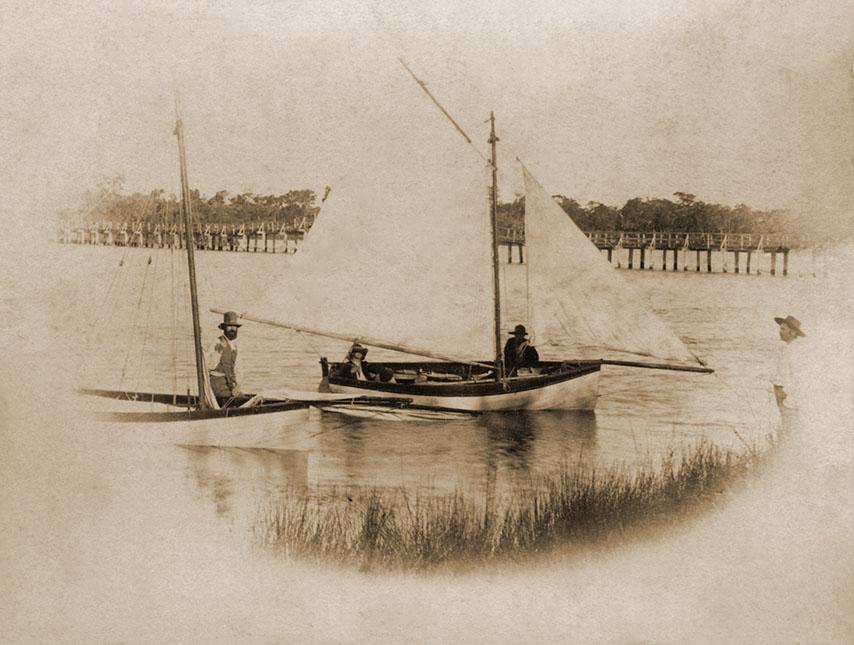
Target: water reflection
521, 440
231, 478
493, 452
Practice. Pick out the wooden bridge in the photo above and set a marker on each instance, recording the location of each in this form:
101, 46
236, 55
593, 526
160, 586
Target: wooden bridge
275, 237
671, 245
266, 237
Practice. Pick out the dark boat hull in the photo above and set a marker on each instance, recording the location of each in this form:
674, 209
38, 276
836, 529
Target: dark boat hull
171, 408
552, 385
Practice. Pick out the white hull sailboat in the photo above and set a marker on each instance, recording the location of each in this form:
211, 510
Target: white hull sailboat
241, 413
411, 264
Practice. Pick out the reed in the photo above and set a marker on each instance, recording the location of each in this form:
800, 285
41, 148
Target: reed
382, 529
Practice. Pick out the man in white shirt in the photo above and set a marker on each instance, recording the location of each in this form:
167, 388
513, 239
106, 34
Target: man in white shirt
221, 360
785, 379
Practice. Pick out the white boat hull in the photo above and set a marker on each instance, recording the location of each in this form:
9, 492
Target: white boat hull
580, 393
179, 421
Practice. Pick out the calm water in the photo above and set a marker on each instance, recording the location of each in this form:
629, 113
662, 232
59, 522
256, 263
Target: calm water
132, 304
110, 525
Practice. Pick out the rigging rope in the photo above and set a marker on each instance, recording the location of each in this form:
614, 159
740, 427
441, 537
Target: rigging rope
133, 323
115, 287
395, 44
148, 325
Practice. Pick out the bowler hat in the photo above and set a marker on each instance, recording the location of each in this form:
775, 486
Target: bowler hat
229, 319
792, 323
519, 330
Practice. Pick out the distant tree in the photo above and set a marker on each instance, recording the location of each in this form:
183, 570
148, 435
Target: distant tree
572, 208
107, 201
512, 214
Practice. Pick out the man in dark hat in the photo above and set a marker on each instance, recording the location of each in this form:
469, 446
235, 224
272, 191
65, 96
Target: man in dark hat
221, 360
785, 376
518, 352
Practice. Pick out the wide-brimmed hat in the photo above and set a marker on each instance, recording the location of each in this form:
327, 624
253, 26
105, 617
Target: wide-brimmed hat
229, 319
518, 330
792, 323
357, 348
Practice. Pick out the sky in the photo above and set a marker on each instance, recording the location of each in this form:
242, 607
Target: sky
736, 102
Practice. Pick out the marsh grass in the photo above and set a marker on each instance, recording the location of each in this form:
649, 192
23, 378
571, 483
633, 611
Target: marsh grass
381, 529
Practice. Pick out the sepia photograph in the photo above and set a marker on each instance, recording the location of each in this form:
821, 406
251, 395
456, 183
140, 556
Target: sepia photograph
408, 322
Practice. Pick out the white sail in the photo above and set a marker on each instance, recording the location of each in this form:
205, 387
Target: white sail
579, 305
400, 253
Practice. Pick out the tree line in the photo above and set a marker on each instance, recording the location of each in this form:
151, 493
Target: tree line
686, 214
109, 202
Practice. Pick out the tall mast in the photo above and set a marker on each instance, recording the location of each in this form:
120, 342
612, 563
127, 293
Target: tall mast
191, 261
496, 287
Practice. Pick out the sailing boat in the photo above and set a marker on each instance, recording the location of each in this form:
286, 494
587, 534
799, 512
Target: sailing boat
423, 278
242, 410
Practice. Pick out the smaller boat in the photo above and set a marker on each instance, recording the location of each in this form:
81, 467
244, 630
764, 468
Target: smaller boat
168, 408
248, 411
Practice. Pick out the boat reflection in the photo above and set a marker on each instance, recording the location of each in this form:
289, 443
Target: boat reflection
533, 441
231, 478
485, 454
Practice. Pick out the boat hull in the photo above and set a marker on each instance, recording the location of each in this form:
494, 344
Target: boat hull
178, 414
575, 387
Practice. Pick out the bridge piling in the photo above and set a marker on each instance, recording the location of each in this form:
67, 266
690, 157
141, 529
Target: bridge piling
245, 237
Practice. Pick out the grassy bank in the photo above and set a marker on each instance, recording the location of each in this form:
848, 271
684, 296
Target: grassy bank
377, 529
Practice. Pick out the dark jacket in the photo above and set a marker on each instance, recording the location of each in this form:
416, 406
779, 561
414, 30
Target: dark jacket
514, 359
348, 370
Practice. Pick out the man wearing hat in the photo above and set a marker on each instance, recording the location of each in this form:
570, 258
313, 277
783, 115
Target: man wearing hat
221, 360
784, 379
518, 352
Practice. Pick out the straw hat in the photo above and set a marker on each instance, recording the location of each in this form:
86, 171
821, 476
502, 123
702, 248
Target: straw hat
792, 323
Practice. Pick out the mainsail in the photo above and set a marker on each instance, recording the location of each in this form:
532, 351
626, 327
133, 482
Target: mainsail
400, 253
578, 302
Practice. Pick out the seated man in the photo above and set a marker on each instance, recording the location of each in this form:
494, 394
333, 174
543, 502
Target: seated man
221, 360
518, 353
355, 366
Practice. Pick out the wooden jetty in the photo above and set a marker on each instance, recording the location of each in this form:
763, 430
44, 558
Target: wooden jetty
265, 237
677, 249
636, 247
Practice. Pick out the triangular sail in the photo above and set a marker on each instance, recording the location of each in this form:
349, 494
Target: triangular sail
579, 305
400, 253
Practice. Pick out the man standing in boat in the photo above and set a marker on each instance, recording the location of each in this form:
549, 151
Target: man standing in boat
518, 352
221, 359
784, 379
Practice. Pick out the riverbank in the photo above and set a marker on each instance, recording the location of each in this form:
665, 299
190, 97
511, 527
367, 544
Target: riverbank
373, 529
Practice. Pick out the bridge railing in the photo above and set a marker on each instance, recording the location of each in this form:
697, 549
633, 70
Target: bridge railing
235, 234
